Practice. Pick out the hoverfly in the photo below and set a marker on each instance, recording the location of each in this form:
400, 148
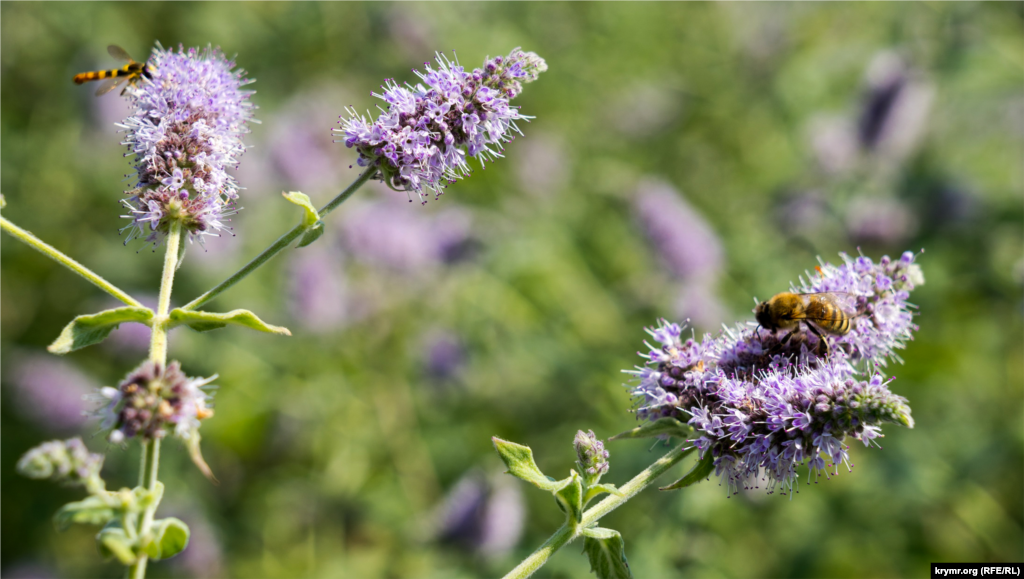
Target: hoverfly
130, 72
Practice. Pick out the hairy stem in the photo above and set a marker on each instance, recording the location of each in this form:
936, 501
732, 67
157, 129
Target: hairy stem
157, 353
56, 255
567, 534
279, 245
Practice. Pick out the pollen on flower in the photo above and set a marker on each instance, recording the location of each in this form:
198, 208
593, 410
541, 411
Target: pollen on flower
421, 140
762, 405
185, 133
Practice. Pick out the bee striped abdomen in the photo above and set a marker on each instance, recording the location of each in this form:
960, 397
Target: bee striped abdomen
823, 311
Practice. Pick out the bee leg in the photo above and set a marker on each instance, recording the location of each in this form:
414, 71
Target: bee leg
782, 343
821, 339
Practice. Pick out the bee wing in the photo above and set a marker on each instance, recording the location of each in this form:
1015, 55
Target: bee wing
843, 300
119, 53
110, 84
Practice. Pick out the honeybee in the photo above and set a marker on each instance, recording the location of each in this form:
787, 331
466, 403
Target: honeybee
820, 312
130, 72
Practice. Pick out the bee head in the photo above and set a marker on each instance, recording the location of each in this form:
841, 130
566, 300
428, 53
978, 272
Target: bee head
763, 316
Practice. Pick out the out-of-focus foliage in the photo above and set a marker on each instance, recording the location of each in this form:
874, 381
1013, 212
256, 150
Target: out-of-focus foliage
361, 445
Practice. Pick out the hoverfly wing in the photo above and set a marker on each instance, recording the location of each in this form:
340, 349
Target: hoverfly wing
110, 84
119, 53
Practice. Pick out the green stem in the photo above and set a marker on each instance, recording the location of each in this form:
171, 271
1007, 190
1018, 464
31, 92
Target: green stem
279, 245
158, 354
567, 534
54, 254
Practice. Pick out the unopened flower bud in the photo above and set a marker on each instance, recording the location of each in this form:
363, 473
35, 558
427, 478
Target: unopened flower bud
591, 455
65, 461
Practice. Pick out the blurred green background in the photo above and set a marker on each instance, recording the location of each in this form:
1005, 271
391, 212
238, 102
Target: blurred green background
684, 159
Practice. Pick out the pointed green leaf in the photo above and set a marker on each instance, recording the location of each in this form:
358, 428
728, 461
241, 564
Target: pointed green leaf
206, 321
570, 497
519, 460
90, 511
170, 537
113, 543
312, 234
310, 216
699, 472
310, 219
595, 490
182, 246
94, 328
660, 427
607, 553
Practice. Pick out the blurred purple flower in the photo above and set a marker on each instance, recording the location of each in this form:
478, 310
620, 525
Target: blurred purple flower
421, 141
389, 232
686, 243
882, 221
698, 302
801, 212
482, 515
895, 109
444, 354
833, 141
185, 132
50, 391
301, 150
410, 30
762, 407
318, 293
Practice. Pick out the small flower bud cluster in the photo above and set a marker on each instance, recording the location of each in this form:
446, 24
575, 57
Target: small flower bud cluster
421, 141
153, 399
186, 131
591, 455
762, 406
66, 461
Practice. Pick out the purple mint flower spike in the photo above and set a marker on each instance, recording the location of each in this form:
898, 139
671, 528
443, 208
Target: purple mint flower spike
761, 407
421, 140
185, 133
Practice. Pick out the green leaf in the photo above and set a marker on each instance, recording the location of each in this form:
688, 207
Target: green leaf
699, 472
570, 497
519, 460
660, 427
94, 328
595, 490
310, 219
144, 497
607, 553
90, 511
182, 246
312, 234
310, 216
206, 321
170, 537
114, 543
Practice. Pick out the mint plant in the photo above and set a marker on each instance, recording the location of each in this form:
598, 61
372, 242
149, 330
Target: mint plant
190, 116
